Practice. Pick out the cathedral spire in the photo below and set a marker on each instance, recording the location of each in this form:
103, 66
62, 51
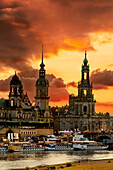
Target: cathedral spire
42, 53
85, 54
42, 65
85, 60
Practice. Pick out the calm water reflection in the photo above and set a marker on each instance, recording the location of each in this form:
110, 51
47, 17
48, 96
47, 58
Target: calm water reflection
31, 159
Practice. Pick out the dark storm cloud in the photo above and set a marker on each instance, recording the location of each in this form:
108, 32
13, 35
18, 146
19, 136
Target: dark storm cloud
8, 4
25, 25
4, 84
102, 79
29, 72
58, 83
57, 91
73, 84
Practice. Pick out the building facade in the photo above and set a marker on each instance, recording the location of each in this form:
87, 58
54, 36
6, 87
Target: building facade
84, 103
81, 112
42, 98
19, 108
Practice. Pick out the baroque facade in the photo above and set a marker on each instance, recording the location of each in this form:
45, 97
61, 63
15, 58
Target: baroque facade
42, 98
81, 111
84, 103
18, 106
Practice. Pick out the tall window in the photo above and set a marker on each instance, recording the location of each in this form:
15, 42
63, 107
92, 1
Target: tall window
85, 92
85, 109
12, 103
17, 89
12, 89
85, 76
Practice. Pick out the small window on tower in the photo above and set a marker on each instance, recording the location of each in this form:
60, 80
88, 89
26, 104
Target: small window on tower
85, 76
12, 103
85, 109
12, 90
85, 92
17, 89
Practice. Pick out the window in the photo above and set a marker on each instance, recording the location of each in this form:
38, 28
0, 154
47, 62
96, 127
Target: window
85, 92
12, 102
17, 89
85, 109
85, 76
12, 90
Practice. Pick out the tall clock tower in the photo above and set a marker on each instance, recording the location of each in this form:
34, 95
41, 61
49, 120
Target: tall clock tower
84, 103
42, 84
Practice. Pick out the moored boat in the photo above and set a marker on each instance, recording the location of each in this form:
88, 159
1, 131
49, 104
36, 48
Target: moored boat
88, 145
59, 148
23, 146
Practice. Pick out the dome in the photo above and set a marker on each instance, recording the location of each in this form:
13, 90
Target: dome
42, 82
15, 80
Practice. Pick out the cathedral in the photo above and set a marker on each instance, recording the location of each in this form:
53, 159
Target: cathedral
80, 114
84, 103
81, 111
18, 106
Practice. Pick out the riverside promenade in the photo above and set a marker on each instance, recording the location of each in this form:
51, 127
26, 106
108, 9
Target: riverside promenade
80, 165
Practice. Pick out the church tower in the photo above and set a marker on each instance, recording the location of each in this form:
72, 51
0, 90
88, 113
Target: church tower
16, 92
42, 84
84, 103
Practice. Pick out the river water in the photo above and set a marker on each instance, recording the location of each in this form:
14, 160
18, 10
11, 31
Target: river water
32, 159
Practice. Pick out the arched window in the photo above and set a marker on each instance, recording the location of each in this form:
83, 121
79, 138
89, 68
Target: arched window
18, 90
85, 92
85, 109
85, 76
12, 103
12, 89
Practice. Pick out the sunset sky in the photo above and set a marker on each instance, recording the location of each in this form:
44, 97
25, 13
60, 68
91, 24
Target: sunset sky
66, 28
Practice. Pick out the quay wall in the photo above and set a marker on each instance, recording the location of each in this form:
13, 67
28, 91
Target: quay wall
35, 132
26, 131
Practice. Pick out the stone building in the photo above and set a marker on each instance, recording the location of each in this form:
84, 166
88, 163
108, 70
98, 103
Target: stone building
42, 98
81, 112
16, 107
19, 108
84, 103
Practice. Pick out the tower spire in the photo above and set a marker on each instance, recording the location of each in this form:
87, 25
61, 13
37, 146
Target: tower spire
42, 53
85, 60
42, 65
85, 54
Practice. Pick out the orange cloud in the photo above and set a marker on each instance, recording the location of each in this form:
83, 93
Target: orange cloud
73, 84
57, 89
104, 107
25, 25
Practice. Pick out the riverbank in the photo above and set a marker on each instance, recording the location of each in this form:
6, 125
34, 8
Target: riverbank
80, 165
